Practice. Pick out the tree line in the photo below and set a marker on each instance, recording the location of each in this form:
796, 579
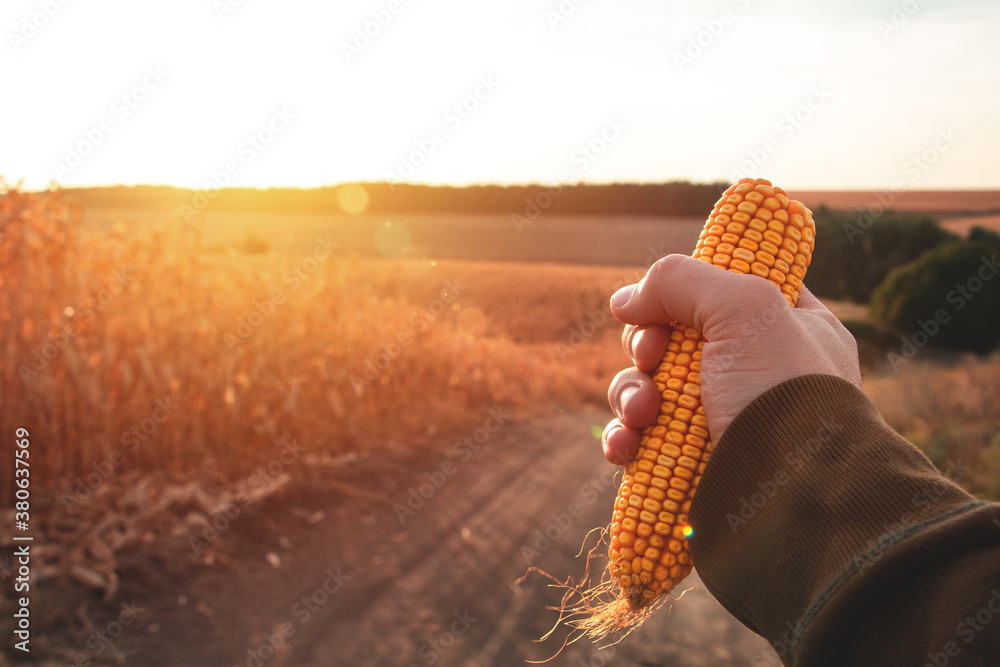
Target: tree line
676, 198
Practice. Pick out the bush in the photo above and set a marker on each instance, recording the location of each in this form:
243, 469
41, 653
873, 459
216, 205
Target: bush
979, 233
855, 253
951, 294
252, 244
873, 340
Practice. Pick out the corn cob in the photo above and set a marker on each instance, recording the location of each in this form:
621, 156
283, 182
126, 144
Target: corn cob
754, 228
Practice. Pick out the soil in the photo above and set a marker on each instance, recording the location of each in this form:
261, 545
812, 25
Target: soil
337, 569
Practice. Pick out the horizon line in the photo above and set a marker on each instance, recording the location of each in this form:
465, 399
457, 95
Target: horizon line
8, 185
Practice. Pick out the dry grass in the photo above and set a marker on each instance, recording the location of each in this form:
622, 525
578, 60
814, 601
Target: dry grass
358, 353
300, 375
455, 339
949, 411
148, 408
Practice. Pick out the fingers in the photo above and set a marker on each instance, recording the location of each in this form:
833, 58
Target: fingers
844, 350
809, 303
646, 345
628, 334
685, 290
620, 444
634, 398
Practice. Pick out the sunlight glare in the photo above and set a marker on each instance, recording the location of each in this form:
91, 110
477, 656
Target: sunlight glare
352, 198
392, 239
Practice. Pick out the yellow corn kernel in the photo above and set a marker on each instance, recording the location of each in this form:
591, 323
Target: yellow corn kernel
754, 229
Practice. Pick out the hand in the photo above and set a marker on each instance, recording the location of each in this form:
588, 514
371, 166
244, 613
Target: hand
756, 342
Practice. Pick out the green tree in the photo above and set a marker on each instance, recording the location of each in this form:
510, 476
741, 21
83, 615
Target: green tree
854, 253
979, 233
948, 298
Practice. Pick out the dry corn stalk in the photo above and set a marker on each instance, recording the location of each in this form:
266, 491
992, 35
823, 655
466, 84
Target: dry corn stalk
754, 228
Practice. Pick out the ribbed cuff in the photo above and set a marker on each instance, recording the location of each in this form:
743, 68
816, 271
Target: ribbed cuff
807, 486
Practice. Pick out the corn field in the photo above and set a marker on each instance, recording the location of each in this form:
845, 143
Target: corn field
141, 349
135, 349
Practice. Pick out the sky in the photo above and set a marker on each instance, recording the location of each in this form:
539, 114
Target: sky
811, 95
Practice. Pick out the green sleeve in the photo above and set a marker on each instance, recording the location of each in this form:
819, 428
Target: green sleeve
826, 532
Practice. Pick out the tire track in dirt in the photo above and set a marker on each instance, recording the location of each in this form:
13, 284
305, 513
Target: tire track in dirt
413, 588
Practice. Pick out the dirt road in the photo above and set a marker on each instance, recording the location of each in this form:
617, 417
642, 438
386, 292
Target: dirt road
376, 581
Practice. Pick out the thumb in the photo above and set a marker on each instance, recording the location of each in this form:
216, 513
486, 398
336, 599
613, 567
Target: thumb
694, 293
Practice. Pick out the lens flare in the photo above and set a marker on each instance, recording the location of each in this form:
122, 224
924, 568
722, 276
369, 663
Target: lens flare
392, 239
352, 198
471, 321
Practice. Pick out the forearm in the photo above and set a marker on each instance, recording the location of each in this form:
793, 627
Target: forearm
829, 534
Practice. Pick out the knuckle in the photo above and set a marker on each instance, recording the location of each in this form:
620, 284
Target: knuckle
763, 290
665, 266
628, 336
632, 344
615, 387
